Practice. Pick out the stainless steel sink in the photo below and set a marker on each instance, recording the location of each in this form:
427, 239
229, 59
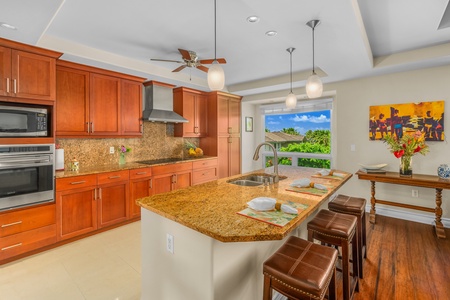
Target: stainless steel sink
255, 180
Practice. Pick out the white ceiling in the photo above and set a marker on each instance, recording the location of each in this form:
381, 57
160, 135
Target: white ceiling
356, 38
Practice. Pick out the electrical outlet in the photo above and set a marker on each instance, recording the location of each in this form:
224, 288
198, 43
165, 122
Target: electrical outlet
415, 193
111, 150
170, 246
352, 147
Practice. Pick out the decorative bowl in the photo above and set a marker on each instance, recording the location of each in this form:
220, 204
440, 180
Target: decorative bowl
443, 171
373, 167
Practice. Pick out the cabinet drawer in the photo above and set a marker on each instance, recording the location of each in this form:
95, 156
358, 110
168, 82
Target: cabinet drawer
204, 175
204, 163
111, 177
27, 219
75, 182
140, 173
172, 168
29, 240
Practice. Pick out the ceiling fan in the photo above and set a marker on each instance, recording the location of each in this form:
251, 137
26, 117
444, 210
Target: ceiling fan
190, 59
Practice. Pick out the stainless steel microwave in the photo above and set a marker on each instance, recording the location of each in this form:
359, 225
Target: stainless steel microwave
20, 121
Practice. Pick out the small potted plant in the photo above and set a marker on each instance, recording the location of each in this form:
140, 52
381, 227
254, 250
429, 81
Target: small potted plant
122, 150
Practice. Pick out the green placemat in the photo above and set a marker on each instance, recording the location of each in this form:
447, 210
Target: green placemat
274, 217
307, 190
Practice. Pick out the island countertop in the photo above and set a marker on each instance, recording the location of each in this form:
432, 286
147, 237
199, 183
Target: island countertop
211, 208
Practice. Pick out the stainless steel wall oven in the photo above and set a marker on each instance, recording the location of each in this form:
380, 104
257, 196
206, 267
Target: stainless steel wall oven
27, 175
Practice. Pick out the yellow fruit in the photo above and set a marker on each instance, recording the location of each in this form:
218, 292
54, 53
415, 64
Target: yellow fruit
192, 151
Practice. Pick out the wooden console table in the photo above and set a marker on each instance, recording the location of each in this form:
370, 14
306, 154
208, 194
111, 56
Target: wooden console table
419, 180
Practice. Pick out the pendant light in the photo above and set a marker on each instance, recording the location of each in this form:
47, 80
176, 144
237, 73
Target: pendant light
291, 99
216, 76
314, 85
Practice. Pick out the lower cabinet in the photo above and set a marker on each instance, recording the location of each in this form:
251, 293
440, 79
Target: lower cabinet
141, 185
76, 205
171, 177
204, 171
27, 229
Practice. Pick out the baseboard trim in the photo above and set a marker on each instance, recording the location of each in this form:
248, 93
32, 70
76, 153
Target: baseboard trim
409, 215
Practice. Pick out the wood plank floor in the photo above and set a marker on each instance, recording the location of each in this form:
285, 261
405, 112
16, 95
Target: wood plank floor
405, 260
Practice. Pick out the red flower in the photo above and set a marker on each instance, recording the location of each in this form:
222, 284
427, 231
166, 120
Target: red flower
417, 149
399, 153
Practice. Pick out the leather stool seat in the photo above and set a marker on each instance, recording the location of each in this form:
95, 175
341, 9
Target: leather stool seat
353, 206
301, 270
338, 230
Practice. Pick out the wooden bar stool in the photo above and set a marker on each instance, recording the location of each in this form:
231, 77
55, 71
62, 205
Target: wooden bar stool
301, 270
338, 230
356, 207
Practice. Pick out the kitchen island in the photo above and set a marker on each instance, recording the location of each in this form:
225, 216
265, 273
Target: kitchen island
217, 253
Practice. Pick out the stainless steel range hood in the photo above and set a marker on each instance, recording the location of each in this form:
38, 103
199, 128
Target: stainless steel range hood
159, 103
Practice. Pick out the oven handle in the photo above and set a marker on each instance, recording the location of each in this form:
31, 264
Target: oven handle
18, 165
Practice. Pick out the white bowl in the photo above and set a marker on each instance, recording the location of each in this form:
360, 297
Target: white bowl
373, 167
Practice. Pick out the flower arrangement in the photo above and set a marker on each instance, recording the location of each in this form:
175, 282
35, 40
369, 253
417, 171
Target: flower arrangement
405, 148
123, 149
407, 145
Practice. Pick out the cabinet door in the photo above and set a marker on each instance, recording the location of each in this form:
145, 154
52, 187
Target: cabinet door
113, 205
162, 183
234, 148
201, 115
139, 188
104, 105
34, 76
234, 116
72, 105
182, 180
131, 107
5, 71
223, 155
76, 211
223, 127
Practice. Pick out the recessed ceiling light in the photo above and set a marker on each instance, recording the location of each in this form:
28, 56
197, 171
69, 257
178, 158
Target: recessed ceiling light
253, 19
271, 33
8, 26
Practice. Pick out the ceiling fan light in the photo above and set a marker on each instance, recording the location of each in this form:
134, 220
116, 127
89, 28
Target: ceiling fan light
314, 86
291, 101
216, 77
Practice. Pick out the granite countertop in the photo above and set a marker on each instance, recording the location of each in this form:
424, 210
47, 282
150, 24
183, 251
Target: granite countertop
211, 208
128, 166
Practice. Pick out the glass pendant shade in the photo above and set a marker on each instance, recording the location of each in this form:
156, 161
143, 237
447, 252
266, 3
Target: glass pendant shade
314, 86
216, 77
291, 101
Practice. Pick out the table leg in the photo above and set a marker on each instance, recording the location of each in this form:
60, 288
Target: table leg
372, 202
440, 232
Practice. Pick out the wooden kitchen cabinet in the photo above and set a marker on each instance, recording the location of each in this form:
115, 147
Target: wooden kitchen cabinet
103, 103
27, 72
171, 177
76, 205
141, 185
192, 105
113, 197
204, 170
27, 229
224, 132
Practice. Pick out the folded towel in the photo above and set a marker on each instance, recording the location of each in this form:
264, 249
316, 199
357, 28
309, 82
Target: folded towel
265, 204
325, 172
306, 182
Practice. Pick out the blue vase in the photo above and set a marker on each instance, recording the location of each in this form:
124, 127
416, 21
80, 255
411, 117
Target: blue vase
443, 171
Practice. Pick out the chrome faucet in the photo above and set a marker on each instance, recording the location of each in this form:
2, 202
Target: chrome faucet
275, 158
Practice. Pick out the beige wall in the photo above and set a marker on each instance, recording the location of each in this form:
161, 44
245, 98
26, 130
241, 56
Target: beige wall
351, 107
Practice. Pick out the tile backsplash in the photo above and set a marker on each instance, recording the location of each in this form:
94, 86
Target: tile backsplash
157, 142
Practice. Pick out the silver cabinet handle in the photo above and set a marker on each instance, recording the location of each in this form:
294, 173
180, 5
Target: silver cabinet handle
141, 128
151, 183
100, 193
7, 85
114, 177
87, 127
141, 173
95, 194
78, 182
11, 224
12, 246
15, 86
230, 130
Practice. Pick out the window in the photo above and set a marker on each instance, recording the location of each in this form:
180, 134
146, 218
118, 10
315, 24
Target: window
302, 136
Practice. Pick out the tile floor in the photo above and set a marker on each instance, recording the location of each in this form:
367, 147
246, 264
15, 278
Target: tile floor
104, 266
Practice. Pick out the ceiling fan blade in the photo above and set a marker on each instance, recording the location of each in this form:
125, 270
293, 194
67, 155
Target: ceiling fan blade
210, 61
168, 60
203, 68
179, 68
185, 54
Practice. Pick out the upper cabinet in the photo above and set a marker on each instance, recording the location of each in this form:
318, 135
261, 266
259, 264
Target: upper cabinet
97, 103
27, 72
192, 105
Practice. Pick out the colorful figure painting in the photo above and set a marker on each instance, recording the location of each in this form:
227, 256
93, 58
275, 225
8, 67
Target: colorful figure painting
407, 118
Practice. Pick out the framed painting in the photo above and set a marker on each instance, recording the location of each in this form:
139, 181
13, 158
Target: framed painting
407, 118
249, 124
